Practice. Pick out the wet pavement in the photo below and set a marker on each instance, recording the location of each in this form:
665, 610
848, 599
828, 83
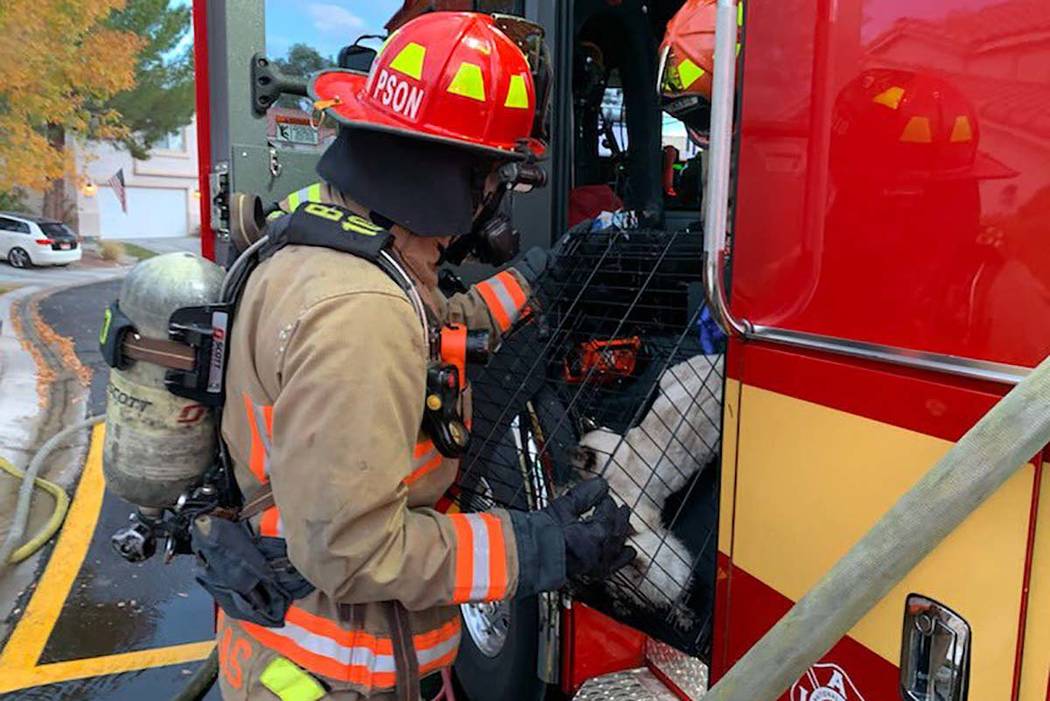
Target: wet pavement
112, 607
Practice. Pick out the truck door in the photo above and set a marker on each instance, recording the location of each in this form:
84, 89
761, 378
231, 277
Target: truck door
886, 252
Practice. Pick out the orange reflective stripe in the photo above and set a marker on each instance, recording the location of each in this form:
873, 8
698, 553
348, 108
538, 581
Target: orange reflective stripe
268, 417
514, 287
425, 469
445, 660
270, 524
320, 646
257, 456
464, 580
504, 297
497, 558
494, 305
359, 674
422, 448
481, 558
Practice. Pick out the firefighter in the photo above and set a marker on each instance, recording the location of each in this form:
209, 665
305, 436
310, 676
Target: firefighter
687, 59
327, 382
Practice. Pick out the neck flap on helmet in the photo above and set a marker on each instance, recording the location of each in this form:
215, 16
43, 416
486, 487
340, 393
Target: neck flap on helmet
428, 188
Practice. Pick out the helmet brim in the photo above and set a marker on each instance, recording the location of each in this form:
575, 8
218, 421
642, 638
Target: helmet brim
351, 112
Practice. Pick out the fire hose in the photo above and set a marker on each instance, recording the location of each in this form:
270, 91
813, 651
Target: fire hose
11, 553
1016, 428
8, 552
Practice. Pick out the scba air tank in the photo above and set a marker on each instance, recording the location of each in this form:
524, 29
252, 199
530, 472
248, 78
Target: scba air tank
157, 444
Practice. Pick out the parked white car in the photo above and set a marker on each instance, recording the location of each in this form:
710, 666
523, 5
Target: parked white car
26, 240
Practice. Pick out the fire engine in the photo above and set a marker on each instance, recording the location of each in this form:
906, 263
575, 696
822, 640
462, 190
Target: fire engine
865, 216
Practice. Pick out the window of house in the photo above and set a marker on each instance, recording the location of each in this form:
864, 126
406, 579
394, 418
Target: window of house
175, 141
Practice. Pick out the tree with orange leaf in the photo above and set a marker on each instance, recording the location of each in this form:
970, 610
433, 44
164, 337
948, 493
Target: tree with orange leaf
59, 64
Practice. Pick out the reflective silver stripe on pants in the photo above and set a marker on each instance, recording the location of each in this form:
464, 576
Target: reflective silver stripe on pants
435, 653
357, 656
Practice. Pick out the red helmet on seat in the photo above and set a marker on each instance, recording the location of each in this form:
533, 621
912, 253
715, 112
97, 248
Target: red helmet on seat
451, 77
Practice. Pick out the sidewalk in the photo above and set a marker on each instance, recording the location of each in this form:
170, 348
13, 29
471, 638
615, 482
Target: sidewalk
191, 244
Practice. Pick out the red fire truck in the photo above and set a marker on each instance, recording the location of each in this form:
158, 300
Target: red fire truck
874, 189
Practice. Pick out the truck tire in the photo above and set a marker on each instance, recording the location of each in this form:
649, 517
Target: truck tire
507, 671
500, 644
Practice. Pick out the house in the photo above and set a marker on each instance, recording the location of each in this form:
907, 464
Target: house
163, 198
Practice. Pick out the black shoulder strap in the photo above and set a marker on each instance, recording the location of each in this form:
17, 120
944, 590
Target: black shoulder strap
332, 226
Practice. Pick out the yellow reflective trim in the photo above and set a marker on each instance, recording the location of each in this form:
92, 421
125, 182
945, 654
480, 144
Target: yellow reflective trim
289, 682
740, 14
917, 131
890, 97
275, 215
410, 60
468, 82
689, 73
517, 94
360, 226
961, 130
313, 193
294, 200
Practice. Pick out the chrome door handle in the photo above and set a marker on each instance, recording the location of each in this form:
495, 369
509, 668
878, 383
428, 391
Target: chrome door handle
935, 652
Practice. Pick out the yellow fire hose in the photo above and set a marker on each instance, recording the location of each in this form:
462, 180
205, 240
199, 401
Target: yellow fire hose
53, 523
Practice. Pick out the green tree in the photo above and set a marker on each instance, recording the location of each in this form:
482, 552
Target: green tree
162, 100
302, 60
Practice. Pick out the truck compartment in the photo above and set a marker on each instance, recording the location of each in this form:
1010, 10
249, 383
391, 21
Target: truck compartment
618, 372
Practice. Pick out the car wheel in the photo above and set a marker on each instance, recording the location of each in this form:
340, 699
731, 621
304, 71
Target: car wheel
18, 258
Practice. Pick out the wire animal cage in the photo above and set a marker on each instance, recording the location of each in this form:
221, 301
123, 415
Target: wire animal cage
610, 377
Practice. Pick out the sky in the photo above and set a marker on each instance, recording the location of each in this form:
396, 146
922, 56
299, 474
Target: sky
327, 26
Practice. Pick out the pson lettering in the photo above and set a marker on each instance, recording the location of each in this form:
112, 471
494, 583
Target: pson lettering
398, 94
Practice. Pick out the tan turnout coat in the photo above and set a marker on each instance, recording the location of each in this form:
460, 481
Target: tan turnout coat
325, 392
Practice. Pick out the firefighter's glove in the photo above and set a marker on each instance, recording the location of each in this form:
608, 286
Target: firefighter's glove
564, 540
533, 264
595, 542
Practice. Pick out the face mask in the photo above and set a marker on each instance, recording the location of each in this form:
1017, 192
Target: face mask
492, 239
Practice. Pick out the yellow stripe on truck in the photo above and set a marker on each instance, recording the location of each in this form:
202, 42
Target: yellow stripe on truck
811, 480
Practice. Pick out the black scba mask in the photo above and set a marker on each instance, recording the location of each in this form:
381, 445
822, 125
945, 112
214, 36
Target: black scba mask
493, 240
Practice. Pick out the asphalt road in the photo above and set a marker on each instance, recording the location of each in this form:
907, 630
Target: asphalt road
113, 606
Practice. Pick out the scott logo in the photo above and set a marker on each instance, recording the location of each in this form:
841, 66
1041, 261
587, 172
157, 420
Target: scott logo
398, 95
825, 682
192, 413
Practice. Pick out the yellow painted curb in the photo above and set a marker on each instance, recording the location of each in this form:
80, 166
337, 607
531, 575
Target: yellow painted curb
19, 658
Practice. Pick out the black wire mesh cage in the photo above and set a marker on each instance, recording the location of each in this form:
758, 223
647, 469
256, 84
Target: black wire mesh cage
617, 373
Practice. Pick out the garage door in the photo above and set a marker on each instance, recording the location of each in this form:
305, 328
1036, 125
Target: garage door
152, 213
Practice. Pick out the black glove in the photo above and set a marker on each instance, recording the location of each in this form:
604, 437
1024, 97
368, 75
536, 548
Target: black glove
557, 542
533, 264
595, 546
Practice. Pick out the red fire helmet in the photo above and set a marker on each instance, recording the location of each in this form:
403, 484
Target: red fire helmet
453, 77
687, 53
901, 125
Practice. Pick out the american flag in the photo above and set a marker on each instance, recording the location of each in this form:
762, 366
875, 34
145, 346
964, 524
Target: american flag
117, 183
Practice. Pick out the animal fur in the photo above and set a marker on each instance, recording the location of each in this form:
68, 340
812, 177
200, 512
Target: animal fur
675, 439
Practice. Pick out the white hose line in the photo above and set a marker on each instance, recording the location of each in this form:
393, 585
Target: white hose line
25, 492
1005, 439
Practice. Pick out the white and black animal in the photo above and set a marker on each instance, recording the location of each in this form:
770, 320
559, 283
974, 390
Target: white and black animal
654, 459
